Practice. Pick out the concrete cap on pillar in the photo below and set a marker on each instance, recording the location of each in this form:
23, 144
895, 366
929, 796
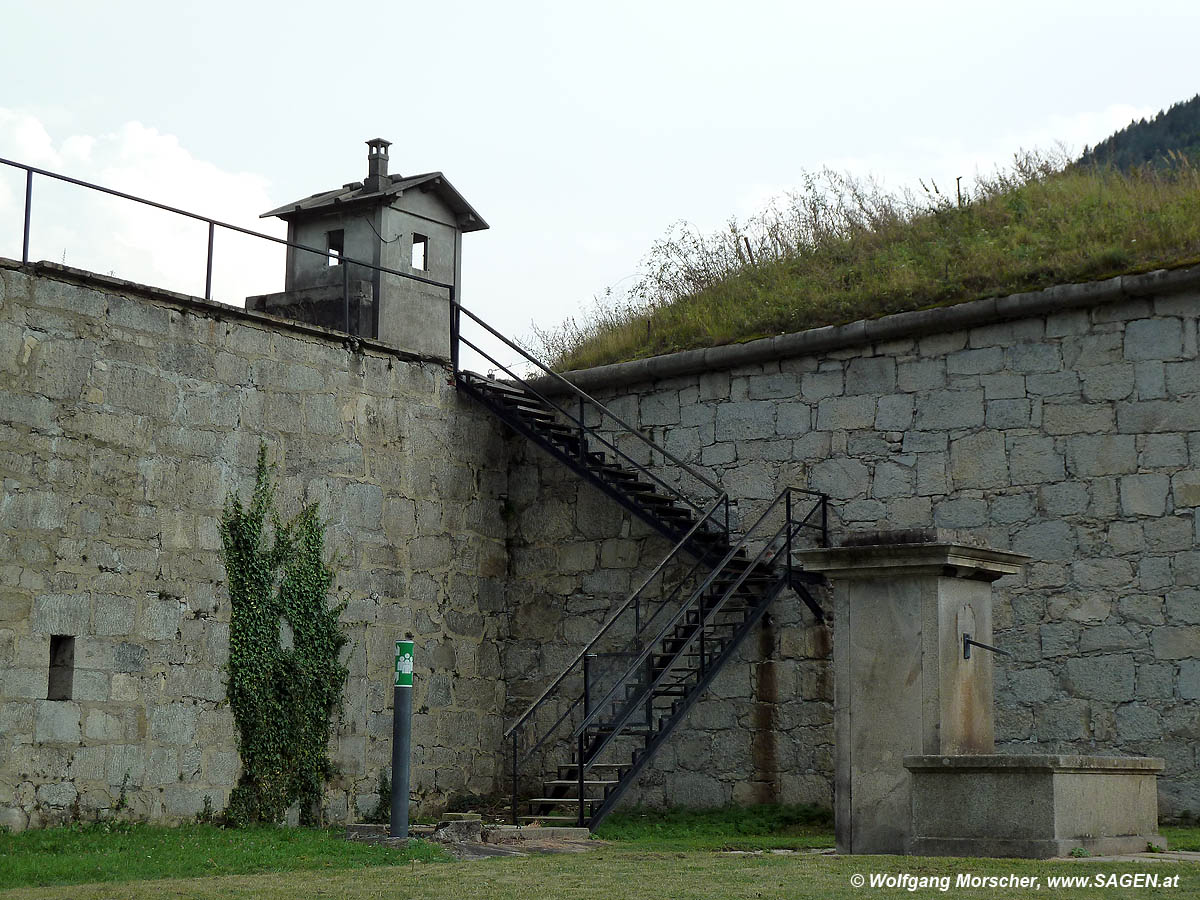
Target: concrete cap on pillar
913, 552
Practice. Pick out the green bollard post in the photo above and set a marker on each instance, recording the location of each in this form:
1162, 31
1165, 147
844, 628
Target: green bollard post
401, 736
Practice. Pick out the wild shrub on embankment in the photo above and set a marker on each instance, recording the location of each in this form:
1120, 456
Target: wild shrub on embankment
839, 249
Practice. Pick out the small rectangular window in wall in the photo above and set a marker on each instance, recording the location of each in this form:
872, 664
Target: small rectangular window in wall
62, 667
420, 252
335, 242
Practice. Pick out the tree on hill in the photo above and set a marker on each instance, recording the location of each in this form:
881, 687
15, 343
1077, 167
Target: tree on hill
1151, 142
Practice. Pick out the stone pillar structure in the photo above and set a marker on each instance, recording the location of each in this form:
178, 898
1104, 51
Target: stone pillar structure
902, 603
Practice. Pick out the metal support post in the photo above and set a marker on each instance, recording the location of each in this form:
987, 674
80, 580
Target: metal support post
514, 779
579, 769
346, 295
788, 504
208, 266
28, 207
401, 737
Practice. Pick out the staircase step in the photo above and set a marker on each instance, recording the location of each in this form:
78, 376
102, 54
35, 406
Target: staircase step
567, 782
548, 818
628, 730
563, 801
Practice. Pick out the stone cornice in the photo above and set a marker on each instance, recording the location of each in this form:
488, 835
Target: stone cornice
917, 323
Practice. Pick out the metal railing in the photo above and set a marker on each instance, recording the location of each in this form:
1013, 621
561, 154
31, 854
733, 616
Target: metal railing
605, 428
213, 225
639, 642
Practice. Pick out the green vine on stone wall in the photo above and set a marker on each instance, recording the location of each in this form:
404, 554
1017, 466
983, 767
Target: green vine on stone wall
282, 698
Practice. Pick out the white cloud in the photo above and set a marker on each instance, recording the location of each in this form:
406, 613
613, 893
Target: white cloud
106, 234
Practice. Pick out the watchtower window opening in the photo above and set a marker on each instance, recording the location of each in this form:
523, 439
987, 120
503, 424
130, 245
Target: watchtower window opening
420, 251
336, 243
62, 667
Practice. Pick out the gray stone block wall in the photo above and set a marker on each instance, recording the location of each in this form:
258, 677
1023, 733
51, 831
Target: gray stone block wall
125, 420
1072, 436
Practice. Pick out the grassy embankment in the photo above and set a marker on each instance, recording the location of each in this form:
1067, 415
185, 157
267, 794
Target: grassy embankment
840, 250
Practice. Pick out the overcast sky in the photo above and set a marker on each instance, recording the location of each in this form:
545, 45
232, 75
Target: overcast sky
581, 132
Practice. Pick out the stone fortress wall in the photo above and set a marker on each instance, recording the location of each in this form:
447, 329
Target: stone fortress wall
126, 416
1064, 424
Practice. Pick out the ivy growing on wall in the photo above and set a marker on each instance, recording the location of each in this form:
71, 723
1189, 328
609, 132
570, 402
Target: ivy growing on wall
282, 697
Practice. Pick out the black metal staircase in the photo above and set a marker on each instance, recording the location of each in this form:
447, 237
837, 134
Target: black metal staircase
601, 720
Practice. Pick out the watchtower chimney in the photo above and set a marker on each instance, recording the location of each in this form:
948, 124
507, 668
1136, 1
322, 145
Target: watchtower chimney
377, 165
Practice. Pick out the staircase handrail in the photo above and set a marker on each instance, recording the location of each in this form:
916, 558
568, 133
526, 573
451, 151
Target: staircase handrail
584, 428
621, 610
456, 336
784, 497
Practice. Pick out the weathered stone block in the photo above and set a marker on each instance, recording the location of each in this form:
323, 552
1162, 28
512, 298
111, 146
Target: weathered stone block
846, 413
1041, 357
62, 614
871, 375
950, 410
1189, 679
840, 477
975, 362
1155, 416
819, 385
1108, 454
1051, 540
892, 480
1163, 450
1003, 387
1154, 339
979, 461
1186, 488
793, 418
960, 513
894, 413
1176, 642
1115, 382
777, 386
1074, 418
921, 374
1011, 508
1059, 639
56, 721
1008, 414
1144, 495
1067, 498
173, 723
745, 420
1108, 678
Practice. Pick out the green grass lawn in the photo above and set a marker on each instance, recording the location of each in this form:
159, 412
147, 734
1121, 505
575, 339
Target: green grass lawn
626, 873
108, 852
735, 828
650, 854
1180, 838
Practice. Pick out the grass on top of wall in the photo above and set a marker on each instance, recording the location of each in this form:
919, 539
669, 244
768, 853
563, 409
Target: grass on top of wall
841, 249
118, 851
762, 827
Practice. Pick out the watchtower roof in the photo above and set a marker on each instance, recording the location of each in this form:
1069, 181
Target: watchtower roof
355, 194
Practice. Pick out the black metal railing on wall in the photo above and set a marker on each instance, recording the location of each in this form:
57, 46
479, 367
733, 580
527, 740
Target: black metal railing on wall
213, 225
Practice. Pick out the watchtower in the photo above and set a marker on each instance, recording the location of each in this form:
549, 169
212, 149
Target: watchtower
410, 224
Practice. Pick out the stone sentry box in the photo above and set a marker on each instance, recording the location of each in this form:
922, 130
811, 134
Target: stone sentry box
407, 223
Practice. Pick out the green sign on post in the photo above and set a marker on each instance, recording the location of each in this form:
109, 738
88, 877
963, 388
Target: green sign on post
404, 664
